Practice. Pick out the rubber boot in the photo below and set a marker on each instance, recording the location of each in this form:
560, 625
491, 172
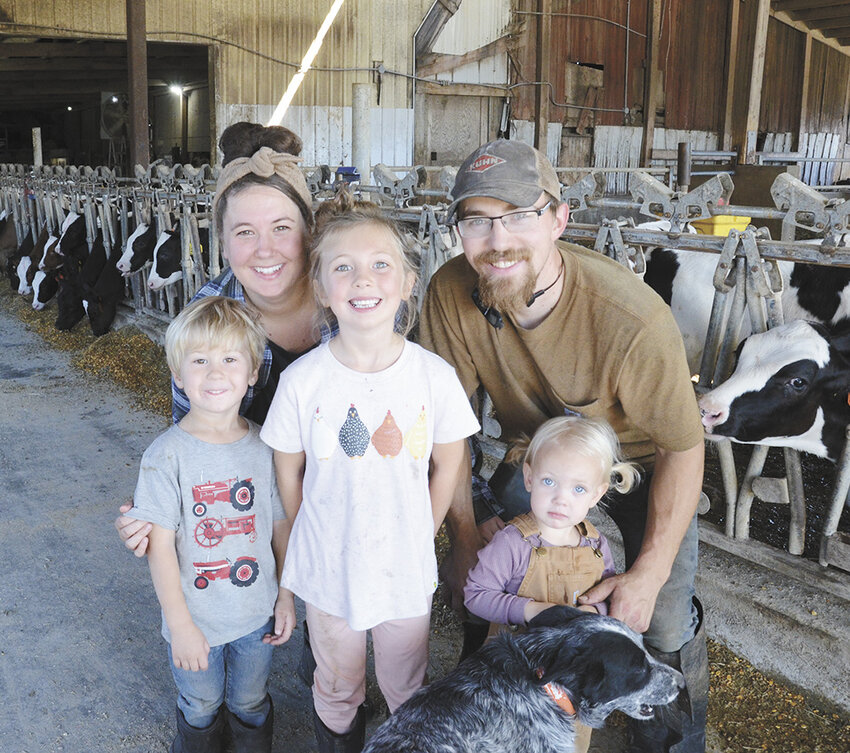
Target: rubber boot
247, 739
678, 727
347, 742
191, 739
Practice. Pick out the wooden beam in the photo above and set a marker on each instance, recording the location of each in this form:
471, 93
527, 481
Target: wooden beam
783, 5
651, 80
831, 23
734, 18
137, 84
543, 74
434, 63
839, 33
837, 44
818, 14
463, 90
756, 80
804, 93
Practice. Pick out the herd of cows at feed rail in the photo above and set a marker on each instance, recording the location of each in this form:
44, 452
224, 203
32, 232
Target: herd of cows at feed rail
93, 242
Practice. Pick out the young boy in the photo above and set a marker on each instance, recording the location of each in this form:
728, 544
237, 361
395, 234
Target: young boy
208, 487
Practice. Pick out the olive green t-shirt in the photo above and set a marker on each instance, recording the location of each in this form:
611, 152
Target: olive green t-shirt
609, 349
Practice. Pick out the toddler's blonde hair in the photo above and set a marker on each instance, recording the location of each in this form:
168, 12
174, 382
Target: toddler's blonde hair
217, 321
590, 437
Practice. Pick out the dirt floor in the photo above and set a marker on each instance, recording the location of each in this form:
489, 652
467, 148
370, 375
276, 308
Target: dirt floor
83, 668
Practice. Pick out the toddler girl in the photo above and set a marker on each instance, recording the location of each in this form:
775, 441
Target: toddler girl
552, 555
355, 425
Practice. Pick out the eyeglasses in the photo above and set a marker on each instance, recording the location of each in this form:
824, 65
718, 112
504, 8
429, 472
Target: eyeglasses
513, 222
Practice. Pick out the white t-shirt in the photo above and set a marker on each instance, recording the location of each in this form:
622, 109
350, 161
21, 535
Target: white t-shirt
362, 544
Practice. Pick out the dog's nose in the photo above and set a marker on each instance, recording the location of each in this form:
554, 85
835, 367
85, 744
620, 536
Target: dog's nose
680, 680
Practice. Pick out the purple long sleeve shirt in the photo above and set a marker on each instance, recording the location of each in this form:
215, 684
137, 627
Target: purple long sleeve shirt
492, 585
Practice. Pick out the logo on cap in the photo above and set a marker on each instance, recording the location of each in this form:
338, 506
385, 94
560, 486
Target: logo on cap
485, 162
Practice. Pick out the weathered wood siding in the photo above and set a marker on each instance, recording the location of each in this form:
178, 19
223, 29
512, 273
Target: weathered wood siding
257, 45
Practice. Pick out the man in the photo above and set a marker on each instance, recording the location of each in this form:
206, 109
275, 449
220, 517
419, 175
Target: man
549, 328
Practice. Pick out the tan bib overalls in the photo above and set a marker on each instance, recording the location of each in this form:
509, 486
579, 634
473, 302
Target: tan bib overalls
559, 575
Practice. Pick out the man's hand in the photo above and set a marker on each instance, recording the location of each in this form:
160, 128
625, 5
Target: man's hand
133, 532
489, 528
631, 598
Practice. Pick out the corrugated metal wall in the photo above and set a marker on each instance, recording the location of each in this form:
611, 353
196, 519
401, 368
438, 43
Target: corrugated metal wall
259, 45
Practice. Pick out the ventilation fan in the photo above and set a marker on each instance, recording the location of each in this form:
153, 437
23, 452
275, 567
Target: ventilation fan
114, 109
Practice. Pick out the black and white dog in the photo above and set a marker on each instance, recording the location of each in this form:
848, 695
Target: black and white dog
522, 693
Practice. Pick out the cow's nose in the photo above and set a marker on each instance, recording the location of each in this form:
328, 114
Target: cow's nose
712, 414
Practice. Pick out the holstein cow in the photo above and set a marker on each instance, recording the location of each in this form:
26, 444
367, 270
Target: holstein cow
103, 287
684, 279
790, 388
14, 260
138, 249
30, 262
168, 258
44, 286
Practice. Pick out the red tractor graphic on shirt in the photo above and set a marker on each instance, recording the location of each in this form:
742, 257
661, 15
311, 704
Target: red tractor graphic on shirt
243, 572
240, 494
210, 531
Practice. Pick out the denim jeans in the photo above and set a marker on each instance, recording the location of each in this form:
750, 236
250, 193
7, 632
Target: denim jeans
237, 675
675, 619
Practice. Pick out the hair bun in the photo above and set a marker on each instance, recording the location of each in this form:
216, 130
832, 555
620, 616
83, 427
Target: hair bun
243, 139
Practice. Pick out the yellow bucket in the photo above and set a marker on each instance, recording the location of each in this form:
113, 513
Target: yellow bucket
721, 224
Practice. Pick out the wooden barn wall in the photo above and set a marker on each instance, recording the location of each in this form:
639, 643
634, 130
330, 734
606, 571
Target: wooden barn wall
829, 79
692, 60
782, 88
582, 37
256, 47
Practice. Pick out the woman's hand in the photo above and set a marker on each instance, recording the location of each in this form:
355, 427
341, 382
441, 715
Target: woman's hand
284, 618
134, 533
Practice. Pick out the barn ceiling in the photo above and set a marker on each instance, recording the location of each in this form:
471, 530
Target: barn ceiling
829, 17
44, 74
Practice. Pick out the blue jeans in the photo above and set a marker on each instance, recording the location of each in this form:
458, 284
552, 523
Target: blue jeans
675, 619
237, 675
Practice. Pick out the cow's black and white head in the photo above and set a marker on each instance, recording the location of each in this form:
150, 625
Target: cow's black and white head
789, 389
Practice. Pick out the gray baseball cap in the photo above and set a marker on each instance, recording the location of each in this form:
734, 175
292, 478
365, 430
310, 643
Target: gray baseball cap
510, 171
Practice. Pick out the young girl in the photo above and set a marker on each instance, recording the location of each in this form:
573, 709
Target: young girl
552, 555
354, 425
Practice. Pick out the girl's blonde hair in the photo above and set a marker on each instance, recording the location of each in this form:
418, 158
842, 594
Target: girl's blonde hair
590, 437
343, 213
217, 321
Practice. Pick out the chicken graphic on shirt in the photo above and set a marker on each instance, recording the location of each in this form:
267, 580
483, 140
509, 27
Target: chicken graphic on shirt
387, 438
416, 439
354, 436
322, 438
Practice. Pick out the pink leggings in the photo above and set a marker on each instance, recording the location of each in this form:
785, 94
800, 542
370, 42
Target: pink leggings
339, 683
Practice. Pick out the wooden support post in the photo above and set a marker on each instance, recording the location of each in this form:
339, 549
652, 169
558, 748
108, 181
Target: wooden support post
543, 74
731, 70
804, 91
137, 88
756, 80
651, 80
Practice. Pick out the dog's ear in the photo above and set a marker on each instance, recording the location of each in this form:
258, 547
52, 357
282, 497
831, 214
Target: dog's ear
556, 616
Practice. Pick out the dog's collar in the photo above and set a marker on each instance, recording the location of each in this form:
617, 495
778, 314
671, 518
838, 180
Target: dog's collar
559, 695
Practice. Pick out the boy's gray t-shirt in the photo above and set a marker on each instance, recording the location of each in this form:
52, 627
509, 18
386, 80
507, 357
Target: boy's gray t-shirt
222, 501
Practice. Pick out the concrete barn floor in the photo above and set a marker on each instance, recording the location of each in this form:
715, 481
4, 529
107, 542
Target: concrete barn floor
82, 665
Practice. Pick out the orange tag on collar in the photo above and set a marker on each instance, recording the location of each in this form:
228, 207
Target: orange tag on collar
559, 695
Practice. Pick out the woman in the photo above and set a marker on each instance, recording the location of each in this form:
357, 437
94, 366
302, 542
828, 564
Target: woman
264, 218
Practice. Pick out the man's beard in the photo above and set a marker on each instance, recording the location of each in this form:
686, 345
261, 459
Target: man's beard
504, 293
